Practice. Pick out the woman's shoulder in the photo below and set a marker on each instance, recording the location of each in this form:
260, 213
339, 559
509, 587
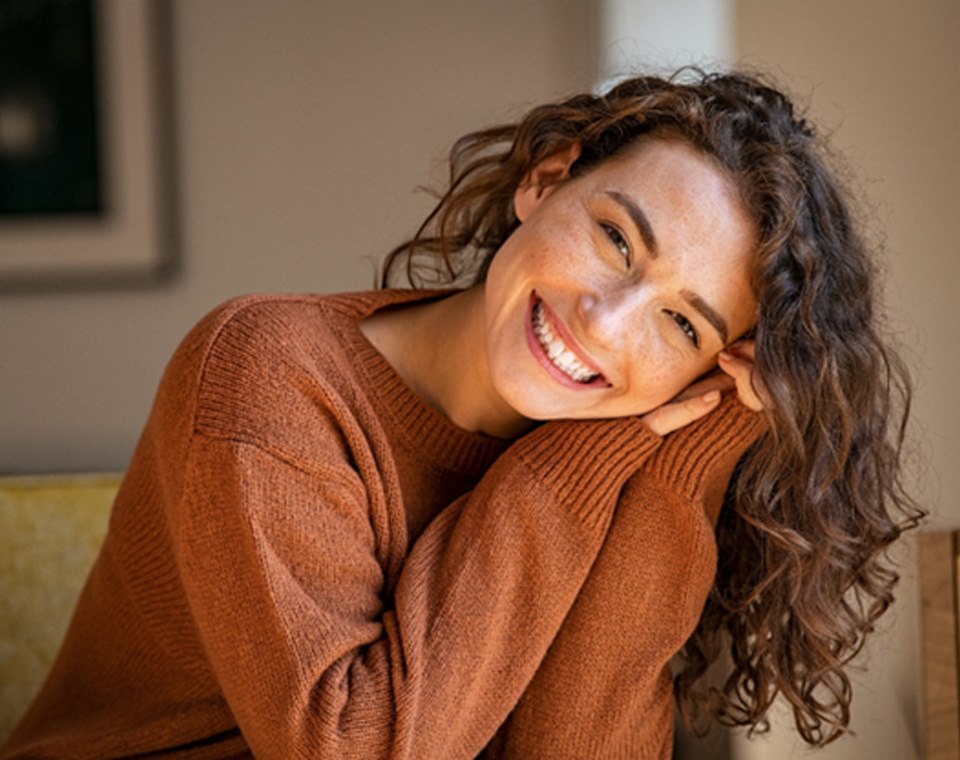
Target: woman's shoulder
243, 333
261, 327
282, 321
268, 364
261, 349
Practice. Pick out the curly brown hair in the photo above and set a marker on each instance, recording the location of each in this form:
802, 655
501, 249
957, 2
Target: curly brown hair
802, 575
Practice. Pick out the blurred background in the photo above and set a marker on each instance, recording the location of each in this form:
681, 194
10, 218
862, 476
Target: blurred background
296, 133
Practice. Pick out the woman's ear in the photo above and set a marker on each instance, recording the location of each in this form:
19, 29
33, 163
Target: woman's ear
543, 179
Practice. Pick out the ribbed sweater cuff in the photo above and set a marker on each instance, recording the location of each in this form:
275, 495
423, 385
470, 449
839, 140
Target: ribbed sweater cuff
587, 462
690, 455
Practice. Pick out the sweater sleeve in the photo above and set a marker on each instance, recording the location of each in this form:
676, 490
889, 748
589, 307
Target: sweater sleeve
283, 571
604, 689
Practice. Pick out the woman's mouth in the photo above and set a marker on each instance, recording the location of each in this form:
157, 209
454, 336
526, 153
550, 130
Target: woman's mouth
555, 353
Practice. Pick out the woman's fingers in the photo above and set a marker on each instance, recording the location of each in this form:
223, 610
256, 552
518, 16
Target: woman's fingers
739, 366
715, 381
744, 349
698, 399
692, 403
676, 414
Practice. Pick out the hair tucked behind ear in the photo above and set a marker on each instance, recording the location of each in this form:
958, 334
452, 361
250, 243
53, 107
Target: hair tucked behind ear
802, 576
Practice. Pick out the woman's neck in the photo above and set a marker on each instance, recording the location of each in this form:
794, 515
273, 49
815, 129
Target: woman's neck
438, 349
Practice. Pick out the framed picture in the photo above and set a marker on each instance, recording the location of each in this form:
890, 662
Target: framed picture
86, 143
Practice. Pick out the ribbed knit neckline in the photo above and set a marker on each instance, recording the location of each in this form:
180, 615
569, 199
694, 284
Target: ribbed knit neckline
423, 427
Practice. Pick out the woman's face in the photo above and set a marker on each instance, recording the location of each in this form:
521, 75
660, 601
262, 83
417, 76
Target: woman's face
620, 286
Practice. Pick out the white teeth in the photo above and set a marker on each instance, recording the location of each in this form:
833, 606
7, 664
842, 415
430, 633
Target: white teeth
561, 356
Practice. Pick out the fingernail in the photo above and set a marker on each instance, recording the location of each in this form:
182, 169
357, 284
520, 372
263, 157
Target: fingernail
725, 356
710, 396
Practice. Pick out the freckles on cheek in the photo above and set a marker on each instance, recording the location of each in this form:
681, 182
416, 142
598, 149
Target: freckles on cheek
556, 242
548, 266
667, 382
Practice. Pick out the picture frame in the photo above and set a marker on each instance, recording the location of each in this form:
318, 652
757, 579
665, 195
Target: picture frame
132, 239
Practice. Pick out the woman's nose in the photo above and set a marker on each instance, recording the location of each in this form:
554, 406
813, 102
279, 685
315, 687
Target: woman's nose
611, 316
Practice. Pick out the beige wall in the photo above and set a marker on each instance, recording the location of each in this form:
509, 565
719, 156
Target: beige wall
883, 76
303, 129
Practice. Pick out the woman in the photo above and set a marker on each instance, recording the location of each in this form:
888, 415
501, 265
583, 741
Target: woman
440, 524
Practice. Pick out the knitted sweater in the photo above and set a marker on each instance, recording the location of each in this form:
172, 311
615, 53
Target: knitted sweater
306, 560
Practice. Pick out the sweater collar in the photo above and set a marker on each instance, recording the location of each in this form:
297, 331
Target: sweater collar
423, 427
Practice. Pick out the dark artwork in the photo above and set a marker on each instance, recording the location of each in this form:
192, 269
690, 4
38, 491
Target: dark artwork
49, 144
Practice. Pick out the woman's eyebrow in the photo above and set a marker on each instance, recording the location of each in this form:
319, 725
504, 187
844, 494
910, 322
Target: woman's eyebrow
709, 313
639, 219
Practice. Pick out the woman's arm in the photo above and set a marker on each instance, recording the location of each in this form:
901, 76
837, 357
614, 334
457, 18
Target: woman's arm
286, 562
604, 689
281, 571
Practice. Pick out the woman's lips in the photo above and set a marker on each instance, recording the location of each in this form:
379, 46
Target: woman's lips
556, 350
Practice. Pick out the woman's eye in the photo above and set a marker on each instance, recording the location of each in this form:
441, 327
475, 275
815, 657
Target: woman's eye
618, 240
688, 329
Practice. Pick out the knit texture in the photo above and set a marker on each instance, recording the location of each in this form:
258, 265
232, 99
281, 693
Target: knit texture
305, 560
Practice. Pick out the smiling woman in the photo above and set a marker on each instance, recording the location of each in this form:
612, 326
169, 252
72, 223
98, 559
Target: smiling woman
814, 502
486, 520
633, 305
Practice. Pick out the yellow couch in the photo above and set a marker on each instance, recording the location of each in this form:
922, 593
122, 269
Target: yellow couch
50, 530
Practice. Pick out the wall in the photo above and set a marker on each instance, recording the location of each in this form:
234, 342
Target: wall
882, 76
303, 130
662, 35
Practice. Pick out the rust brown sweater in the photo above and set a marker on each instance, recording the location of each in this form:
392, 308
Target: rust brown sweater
305, 560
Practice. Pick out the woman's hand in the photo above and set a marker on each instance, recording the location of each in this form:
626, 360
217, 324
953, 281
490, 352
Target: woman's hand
737, 362
689, 405
698, 399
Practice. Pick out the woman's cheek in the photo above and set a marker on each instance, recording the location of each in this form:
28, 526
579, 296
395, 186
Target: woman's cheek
663, 377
